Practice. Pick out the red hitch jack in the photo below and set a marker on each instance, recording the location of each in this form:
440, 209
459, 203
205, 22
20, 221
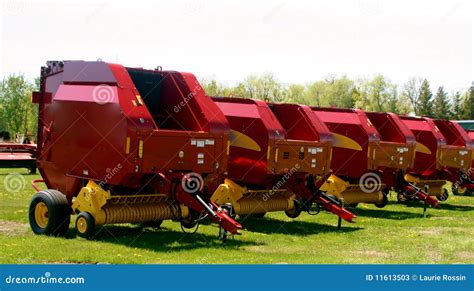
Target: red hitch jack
421, 195
217, 214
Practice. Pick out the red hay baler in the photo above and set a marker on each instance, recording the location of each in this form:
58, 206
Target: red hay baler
126, 145
444, 153
370, 151
277, 154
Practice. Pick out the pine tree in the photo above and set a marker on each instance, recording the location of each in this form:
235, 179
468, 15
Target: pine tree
425, 99
467, 105
441, 104
456, 106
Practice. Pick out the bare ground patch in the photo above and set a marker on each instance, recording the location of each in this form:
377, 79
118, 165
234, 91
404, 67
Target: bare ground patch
430, 230
443, 218
12, 227
466, 256
372, 253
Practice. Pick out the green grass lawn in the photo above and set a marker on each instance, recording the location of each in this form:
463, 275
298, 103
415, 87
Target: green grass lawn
395, 234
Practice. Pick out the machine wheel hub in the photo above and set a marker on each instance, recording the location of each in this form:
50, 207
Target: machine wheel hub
81, 225
41, 214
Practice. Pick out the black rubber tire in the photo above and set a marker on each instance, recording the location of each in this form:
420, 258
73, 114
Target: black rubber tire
382, 203
190, 222
59, 213
402, 198
295, 212
443, 197
467, 192
188, 225
90, 225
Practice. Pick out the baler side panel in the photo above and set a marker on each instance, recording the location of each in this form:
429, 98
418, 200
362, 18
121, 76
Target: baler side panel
295, 121
246, 163
346, 161
396, 150
428, 141
187, 107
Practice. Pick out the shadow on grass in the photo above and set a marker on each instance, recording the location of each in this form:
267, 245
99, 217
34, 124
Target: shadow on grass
162, 239
444, 206
295, 227
387, 213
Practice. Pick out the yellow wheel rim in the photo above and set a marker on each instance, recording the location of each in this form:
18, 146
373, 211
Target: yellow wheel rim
41, 214
81, 225
462, 190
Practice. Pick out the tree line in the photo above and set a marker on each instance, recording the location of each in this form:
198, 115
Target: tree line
374, 94
19, 116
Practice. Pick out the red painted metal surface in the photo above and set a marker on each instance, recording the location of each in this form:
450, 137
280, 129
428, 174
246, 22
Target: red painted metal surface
367, 141
36, 187
271, 140
429, 140
420, 195
443, 148
355, 125
278, 148
83, 136
471, 135
252, 120
14, 155
301, 124
105, 122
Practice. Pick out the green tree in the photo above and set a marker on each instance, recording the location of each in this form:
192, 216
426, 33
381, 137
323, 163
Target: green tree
265, 87
467, 105
17, 113
411, 92
393, 102
331, 92
456, 105
425, 102
338, 93
441, 104
212, 88
295, 93
314, 93
377, 94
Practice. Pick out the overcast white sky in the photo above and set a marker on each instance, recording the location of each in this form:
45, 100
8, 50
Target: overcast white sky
299, 41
